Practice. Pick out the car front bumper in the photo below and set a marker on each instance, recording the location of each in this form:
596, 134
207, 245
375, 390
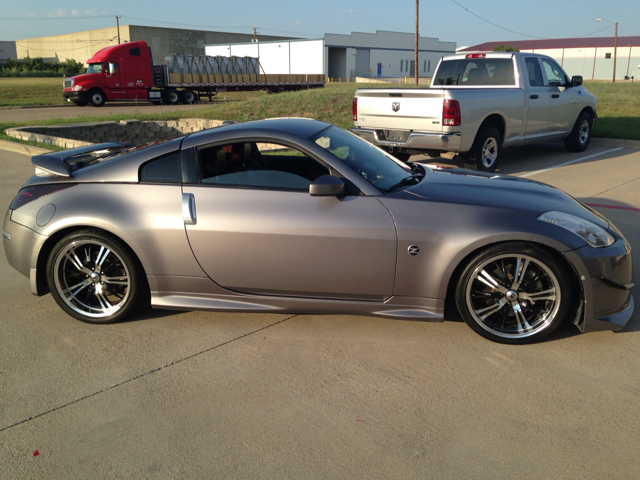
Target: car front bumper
606, 279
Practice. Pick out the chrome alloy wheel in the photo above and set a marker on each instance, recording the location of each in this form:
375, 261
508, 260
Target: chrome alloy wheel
489, 152
513, 296
91, 279
583, 133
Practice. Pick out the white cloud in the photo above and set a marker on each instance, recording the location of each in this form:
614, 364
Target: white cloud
349, 11
62, 13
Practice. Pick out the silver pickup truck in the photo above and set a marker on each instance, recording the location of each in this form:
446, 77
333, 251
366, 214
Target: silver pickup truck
477, 104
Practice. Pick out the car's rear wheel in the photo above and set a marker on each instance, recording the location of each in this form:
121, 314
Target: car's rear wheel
514, 293
93, 277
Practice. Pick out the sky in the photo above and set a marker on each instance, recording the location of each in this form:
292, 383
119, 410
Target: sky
466, 22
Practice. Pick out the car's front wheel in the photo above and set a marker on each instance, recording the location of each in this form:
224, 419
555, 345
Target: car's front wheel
93, 277
514, 293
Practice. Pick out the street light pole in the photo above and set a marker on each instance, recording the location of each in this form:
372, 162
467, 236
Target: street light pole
615, 45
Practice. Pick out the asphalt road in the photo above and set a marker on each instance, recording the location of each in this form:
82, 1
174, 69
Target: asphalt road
210, 395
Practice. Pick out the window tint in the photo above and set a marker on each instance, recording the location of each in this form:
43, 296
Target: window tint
475, 72
258, 165
134, 51
555, 74
534, 72
162, 170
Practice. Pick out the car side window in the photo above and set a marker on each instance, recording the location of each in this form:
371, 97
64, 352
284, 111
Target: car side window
555, 75
534, 72
258, 165
165, 169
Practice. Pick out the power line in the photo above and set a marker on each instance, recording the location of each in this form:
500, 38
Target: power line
72, 17
518, 33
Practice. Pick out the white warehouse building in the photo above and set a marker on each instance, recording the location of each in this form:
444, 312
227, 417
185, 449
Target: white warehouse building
341, 57
592, 58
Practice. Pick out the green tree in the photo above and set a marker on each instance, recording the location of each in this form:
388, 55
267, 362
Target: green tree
505, 48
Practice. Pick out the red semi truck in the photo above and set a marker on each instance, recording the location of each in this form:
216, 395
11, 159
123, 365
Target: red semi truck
126, 72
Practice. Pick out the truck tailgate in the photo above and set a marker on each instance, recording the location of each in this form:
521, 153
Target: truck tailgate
402, 108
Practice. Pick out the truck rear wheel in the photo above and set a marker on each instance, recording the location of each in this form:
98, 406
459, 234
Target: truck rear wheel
97, 98
485, 152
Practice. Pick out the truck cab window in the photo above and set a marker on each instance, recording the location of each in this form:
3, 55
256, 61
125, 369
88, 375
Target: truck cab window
533, 72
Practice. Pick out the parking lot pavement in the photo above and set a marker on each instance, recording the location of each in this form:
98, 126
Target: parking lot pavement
198, 394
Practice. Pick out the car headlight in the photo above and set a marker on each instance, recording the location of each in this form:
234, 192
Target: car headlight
77, 88
590, 232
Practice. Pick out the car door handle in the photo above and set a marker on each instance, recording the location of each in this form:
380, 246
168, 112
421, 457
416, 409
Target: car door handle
533, 97
189, 209
555, 95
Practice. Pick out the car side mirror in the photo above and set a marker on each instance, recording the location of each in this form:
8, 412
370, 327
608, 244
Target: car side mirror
326, 186
576, 81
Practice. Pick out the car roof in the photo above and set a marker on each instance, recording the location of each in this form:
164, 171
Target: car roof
303, 127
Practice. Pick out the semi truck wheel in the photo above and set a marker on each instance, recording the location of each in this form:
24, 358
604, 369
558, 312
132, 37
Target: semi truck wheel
171, 97
188, 97
485, 152
97, 98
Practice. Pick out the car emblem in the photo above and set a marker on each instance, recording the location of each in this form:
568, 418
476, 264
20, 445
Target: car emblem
413, 250
395, 106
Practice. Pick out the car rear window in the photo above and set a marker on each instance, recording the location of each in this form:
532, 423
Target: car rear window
471, 72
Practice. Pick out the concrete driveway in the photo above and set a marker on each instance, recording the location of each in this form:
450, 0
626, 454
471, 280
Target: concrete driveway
210, 395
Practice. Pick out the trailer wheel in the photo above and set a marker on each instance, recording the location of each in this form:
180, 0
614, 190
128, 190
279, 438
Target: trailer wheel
188, 97
171, 97
97, 97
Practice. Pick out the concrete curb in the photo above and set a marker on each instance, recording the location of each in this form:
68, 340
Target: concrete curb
22, 148
615, 142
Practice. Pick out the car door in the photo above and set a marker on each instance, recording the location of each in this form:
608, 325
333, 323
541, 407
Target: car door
538, 99
257, 230
563, 101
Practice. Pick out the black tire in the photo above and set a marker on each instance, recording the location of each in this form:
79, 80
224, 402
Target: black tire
485, 152
97, 97
579, 138
80, 104
402, 156
172, 97
188, 97
509, 307
93, 277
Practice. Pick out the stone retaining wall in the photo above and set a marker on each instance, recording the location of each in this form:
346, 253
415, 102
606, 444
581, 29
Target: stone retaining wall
131, 131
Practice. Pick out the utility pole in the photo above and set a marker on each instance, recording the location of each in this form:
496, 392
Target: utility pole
417, 37
118, 27
615, 53
255, 34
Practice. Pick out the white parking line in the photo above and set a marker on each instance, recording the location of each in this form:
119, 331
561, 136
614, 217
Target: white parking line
531, 174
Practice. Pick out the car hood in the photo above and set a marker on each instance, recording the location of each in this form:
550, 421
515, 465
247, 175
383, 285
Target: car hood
456, 185
85, 77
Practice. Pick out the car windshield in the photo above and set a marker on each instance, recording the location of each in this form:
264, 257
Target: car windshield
370, 162
94, 68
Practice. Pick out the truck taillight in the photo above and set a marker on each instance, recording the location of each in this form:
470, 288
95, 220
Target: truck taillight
476, 55
354, 109
451, 113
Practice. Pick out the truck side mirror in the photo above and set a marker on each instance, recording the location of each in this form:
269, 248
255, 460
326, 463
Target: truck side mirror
576, 81
326, 186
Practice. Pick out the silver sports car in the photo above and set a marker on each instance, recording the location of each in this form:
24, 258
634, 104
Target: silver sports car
297, 215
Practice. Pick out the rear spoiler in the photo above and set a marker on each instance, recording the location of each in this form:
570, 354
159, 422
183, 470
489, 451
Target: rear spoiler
57, 162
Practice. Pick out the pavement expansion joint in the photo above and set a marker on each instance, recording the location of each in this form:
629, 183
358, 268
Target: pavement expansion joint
154, 370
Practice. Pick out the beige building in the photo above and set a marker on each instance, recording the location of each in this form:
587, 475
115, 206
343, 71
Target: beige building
83, 45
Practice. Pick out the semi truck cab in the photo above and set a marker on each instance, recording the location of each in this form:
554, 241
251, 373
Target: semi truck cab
120, 72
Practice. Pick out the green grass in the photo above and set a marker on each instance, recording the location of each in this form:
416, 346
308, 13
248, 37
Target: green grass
16, 92
618, 106
618, 109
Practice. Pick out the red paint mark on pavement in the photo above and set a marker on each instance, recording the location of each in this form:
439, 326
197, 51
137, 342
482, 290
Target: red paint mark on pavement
616, 207
264, 338
36, 453
359, 420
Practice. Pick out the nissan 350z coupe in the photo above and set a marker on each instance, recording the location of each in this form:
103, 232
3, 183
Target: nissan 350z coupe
298, 215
